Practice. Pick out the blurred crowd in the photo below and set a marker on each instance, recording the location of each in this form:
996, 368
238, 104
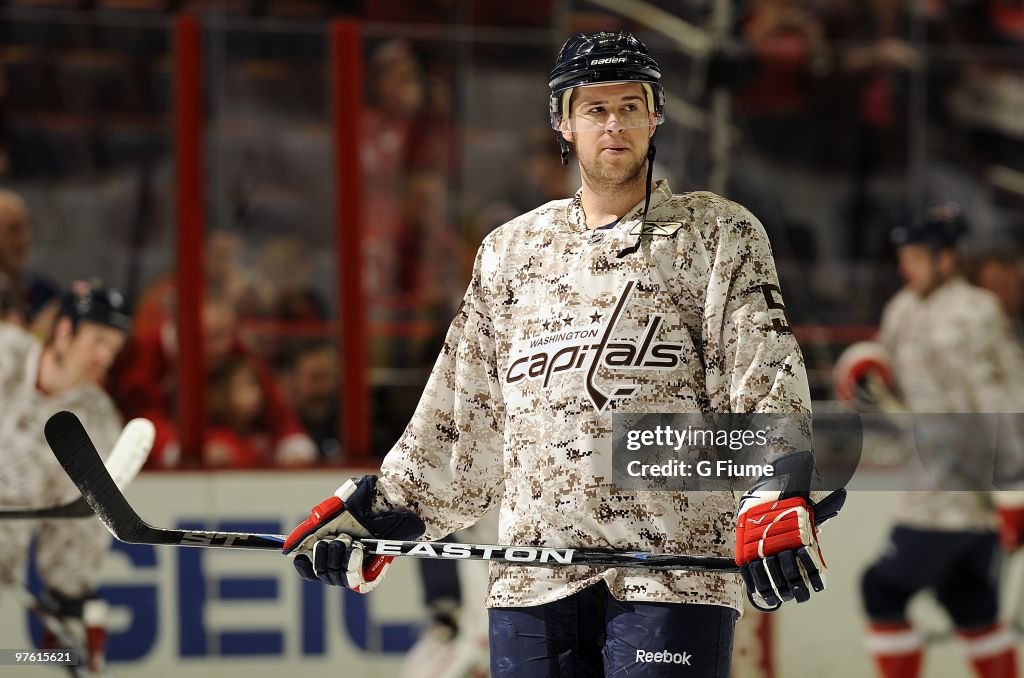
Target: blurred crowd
848, 117
269, 402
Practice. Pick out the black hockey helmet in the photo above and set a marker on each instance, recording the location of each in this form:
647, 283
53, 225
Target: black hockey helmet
605, 57
90, 301
940, 228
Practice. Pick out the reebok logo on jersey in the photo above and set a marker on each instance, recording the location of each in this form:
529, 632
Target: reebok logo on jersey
581, 354
664, 657
665, 228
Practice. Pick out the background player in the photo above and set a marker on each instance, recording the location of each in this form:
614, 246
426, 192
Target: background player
630, 259
39, 381
951, 352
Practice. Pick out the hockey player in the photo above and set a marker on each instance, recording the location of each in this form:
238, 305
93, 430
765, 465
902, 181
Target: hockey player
951, 352
518, 408
37, 382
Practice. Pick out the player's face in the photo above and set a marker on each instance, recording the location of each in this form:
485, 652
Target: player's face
920, 268
92, 350
218, 333
610, 127
246, 396
315, 382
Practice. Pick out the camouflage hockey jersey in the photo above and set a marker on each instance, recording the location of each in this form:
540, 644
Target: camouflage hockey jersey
560, 327
952, 352
68, 551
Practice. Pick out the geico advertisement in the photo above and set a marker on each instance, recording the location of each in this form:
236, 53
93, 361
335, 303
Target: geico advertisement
186, 611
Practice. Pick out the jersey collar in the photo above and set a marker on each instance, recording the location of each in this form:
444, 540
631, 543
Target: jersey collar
578, 220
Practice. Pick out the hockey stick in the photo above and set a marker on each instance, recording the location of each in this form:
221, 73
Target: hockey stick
76, 453
129, 454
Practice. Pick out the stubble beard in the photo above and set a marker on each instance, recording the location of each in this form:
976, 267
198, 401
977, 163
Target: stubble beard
605, 177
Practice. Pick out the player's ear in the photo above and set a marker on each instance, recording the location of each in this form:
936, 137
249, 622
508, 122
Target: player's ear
567, 134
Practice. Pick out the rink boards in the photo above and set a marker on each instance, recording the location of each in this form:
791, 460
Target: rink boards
209, 612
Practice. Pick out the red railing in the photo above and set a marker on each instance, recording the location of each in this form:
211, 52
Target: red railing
346, 83
346, 117
190, 219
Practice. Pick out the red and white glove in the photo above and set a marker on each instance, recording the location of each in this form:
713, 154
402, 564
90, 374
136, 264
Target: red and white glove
326, 545
863, 378
1010, 508
82, 621
776, 534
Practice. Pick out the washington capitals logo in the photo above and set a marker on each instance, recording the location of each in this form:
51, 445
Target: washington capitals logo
579, 350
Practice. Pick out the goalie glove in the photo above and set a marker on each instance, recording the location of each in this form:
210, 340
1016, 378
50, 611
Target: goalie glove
776, 534
83, 621
1010, 509
326, 545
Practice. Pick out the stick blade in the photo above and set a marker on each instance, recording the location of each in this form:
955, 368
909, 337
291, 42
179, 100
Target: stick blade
130, 451
76, 453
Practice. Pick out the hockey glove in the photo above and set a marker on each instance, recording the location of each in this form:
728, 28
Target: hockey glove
83, 621
863, 378
776, 534
1010, 508
326, 547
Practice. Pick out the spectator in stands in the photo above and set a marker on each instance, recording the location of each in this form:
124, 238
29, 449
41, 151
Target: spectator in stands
878, 63
427, 247
226, 278
146, 386
396, 97
987, 98
29, 291
407, 130
238, 434
281, 289
787, 43
541, 178
283, 281
310, 381
869, 107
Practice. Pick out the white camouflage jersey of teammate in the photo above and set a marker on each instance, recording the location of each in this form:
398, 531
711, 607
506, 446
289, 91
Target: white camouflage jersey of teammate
951, 352
624, 298
37, 381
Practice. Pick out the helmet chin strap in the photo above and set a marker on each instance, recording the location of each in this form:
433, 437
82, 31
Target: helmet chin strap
647, 201
651, 150
564, 145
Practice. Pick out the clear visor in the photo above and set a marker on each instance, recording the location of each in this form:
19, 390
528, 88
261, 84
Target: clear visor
628, 114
